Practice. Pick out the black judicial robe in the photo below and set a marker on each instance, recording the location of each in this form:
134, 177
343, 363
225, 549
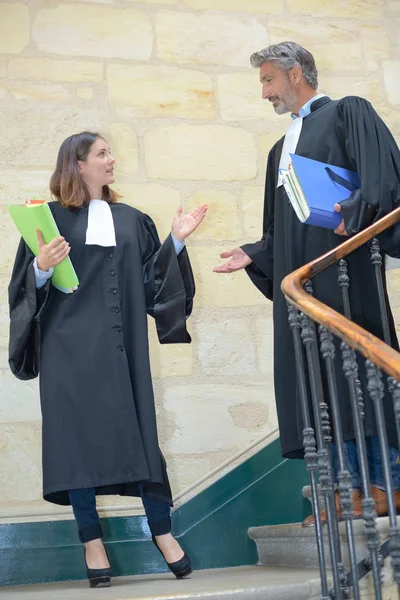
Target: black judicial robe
91, 348
346, 133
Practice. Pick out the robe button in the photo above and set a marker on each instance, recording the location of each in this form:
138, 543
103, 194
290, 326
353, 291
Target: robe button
121, 348
112, 273
115, 291
117, 328
111, 255
116, 310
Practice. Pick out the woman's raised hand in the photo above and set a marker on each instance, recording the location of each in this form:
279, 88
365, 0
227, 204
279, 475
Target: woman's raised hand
184, 225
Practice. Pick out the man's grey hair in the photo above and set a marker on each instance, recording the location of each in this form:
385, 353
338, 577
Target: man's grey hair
285, 56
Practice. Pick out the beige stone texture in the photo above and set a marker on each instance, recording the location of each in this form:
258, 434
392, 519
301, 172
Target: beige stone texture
220, 289
226, 347
48, 69
20, 473
187, 468
357, 9
212, 152
320, 37
14, 27
38, 145
393, 6
4, 327
249, 415
391, 73
16, 185
9, 242
3, 68
81, 30
209, 38
393, 282
161, 91
158, 201
39, 92
84, 93
376, 45
203, 434
223, 219
352, 85
266, 141
18, 402
252, 205
159, 2
2, 92
268, 7
169, 360
240, 97
124, 146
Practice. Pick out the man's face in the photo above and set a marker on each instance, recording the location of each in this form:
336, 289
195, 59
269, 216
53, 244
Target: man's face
278, 88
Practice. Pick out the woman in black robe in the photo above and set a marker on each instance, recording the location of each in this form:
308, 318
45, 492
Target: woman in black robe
91, 346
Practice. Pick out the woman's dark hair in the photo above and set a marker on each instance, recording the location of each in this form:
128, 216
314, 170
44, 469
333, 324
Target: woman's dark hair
66, 183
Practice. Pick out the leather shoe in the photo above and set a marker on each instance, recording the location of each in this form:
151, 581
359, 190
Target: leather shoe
357, 510
381, 503
381, 506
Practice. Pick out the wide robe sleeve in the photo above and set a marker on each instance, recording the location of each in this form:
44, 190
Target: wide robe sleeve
26, 305
374, 154
261, 269
169, 284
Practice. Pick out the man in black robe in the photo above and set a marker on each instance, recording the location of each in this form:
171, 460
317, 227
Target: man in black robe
346, 133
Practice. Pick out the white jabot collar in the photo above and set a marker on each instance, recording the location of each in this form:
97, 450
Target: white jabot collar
100, 230
293, 134
289, 145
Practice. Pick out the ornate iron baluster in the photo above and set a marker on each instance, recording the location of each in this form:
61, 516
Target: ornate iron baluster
376, 260
344, 478
309, 444
344, 284
376, 390
394, 386
309, 338
350, 369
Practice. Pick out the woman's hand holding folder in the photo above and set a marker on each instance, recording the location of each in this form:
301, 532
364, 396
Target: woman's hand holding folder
52, 254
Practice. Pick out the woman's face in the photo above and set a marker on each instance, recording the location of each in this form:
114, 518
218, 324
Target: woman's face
98, 168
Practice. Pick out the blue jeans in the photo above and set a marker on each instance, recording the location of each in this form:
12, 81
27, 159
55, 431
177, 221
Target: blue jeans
375, 466
83, 503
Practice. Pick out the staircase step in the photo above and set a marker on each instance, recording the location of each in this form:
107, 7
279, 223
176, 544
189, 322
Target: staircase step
293, 546
239, 583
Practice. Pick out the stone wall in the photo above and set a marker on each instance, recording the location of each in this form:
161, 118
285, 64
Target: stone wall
168, 83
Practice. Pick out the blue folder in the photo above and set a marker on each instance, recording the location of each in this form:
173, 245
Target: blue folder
324, 186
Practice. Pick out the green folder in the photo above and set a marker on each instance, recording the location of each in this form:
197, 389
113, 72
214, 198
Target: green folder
28, 219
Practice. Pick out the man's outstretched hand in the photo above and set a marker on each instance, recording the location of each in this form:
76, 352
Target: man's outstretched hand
239, 260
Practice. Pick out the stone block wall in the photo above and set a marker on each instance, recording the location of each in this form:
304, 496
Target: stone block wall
168, 82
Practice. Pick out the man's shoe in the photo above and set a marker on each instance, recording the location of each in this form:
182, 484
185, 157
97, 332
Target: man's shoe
381, 503
357, 510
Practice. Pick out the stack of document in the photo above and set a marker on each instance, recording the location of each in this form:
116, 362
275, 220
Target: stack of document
313, 189
36, 214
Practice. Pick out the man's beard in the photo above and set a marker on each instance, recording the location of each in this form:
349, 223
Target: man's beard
286, 102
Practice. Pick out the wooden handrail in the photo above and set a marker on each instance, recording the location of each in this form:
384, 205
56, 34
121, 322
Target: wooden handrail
382, 355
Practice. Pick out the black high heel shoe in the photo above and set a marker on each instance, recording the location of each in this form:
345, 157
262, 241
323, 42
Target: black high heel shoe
98, 578
180, 568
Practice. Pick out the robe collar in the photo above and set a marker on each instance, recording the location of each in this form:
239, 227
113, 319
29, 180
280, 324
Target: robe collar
320, 103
